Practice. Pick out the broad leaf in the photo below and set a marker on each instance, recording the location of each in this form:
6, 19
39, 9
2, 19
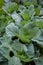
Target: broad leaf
12, 30
14, 61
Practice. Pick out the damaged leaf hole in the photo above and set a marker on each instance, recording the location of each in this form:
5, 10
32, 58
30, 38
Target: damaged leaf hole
30, 63
14, 38
0, 43
11, 54
21, 41
18, 11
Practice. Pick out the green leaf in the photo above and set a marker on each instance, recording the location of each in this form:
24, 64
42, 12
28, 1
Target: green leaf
16, 17
28, 32
41, 11
39, 24
9, 5
39, 61
16, 45
21, 9
39, 39
1, 3
5, 48
28, 13
37, 10
24, 22
14, 61
12, 29
25, 15
31, 51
